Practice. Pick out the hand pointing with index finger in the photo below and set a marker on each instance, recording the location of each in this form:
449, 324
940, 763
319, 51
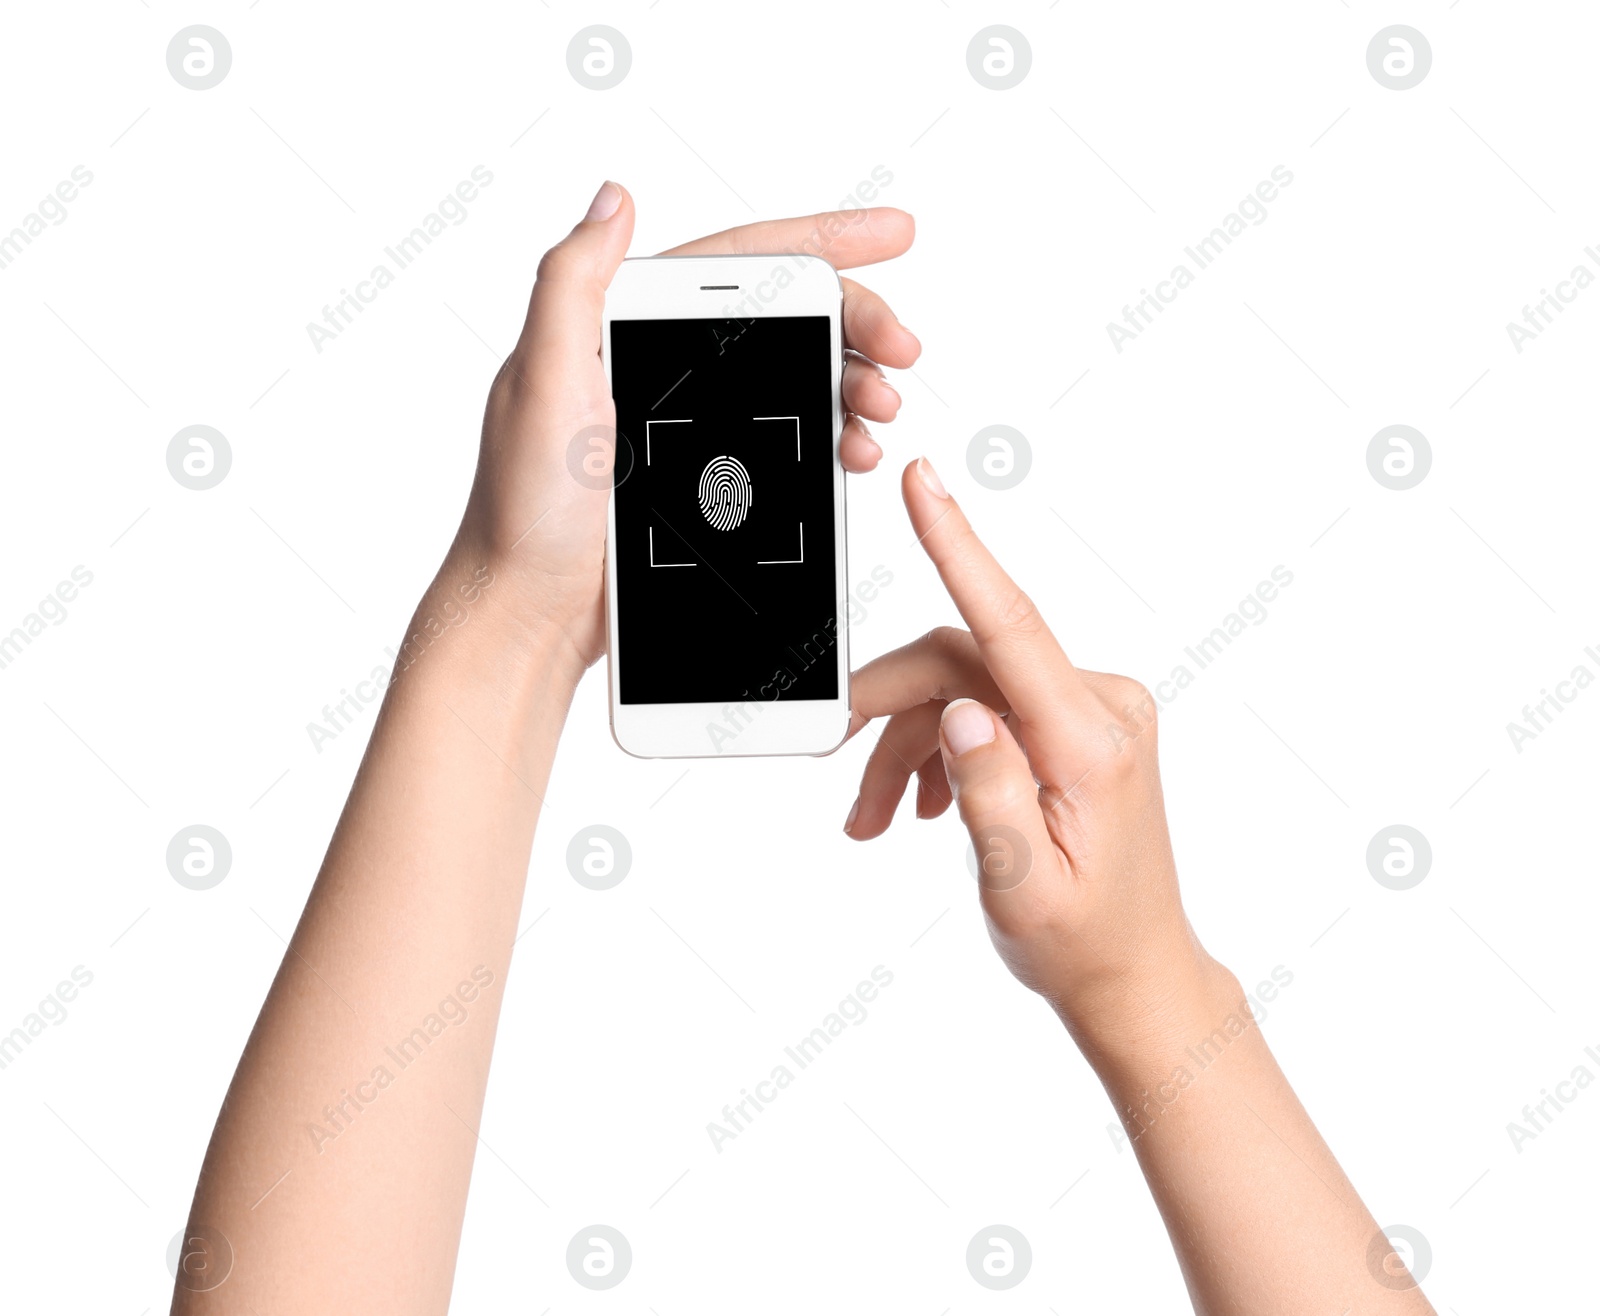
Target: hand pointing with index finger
1052, 768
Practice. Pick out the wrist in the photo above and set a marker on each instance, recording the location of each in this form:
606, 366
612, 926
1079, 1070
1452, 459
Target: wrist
476, 620
1132, 1028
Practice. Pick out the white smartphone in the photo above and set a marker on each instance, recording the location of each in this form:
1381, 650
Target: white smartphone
725, 557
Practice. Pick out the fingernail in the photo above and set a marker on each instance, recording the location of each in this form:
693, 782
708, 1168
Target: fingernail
965, 726
930, 478
854, 809
894, 392
605, 202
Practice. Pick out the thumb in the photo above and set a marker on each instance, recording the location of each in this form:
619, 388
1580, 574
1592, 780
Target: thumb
560, 343
999, 802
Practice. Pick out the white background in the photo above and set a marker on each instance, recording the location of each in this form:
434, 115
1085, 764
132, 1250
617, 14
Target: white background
1225, 441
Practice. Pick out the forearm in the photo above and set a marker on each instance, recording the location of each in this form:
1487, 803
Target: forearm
1261, 1215
361, 1086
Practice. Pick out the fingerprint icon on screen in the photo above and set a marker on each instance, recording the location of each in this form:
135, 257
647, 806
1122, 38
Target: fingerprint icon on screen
725, 493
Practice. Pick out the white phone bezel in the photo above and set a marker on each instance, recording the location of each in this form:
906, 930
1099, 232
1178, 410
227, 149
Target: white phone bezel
720, 288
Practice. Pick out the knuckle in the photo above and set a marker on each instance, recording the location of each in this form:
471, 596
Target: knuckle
948, 640
957, 666
508, 376
1131, 728
1003, 795
1124, 765
509, 392
1025, 918
1141, 701
503, 390
559, 265
962, 542
862, 309
1132, 702
1018, 617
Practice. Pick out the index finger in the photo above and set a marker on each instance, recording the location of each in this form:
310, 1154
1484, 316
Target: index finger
1024, 657
941, 666
846, 239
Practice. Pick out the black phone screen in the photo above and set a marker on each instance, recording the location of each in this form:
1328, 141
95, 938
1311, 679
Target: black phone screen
724, 476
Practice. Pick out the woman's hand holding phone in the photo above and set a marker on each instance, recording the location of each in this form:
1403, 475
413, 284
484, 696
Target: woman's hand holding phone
431, 853
542, 530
